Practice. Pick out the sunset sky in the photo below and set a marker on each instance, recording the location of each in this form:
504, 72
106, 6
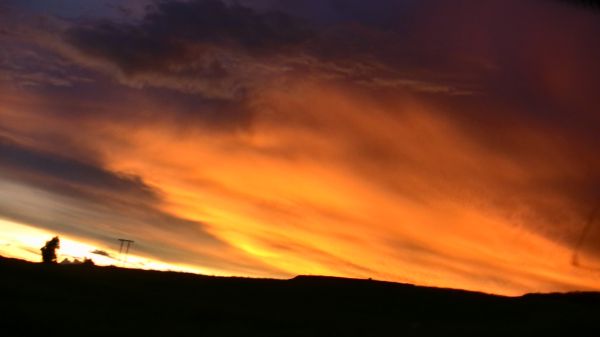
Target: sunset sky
435, 142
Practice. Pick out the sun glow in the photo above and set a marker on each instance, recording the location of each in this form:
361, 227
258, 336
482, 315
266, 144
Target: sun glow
24, 242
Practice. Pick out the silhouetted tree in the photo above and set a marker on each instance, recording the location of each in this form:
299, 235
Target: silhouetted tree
49, 250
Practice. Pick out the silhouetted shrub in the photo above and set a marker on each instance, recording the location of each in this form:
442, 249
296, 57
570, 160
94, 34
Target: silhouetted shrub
49, 250
88, 262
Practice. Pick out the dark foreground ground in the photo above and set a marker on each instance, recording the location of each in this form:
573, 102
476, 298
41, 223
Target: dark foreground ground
42, 300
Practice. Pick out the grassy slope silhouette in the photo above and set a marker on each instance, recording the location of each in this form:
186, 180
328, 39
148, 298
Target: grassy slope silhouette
77, 300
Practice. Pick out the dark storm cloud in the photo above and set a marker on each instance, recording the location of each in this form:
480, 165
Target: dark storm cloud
189, 44
69, 174
128, 47
222, 49
387, 13
225, 50
63, 88
213, 21
78, 8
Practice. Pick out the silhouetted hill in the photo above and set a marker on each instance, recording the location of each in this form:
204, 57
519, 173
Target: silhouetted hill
76, 300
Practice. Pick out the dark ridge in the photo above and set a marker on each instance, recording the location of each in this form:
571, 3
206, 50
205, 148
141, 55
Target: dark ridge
76, 300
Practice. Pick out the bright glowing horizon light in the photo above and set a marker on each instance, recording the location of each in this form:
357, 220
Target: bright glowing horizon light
22, 241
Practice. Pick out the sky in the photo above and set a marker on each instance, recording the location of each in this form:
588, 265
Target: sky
440, 143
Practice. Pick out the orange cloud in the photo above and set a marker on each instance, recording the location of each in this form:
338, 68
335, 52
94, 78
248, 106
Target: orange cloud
331, 182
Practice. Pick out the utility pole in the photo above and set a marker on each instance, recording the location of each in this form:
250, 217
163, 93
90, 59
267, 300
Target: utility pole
123, 254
